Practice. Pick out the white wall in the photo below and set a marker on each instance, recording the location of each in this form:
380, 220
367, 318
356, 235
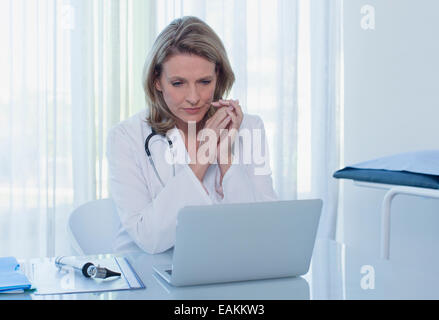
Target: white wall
391, 106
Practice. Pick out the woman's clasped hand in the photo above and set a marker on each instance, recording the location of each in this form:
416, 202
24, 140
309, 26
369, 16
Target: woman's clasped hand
219, 132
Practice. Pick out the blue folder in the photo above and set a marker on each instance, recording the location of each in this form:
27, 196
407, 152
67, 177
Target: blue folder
11, 278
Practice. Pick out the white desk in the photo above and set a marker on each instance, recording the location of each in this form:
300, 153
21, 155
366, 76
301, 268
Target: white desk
335, 273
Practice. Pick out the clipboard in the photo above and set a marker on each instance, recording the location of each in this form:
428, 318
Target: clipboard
48, 279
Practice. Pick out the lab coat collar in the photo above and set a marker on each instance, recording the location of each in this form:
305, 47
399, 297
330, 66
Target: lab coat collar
181, 155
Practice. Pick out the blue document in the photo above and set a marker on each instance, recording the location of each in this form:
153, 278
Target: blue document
11, 277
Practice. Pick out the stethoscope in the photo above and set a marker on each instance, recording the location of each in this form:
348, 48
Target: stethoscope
148, 153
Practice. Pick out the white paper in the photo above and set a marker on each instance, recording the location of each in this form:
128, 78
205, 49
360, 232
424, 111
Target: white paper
49, 279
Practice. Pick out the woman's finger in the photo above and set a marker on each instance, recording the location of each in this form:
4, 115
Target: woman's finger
237, 107
234, 128
216, 119
238, 111
221, 103
216, 104
223, 124
225, 102
233, 116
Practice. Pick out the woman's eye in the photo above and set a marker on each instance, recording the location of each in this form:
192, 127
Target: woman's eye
206, 82
176, 84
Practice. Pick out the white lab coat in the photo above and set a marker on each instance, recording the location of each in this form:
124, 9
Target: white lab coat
147, 211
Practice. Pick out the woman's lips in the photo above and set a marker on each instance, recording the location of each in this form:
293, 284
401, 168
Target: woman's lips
192, 110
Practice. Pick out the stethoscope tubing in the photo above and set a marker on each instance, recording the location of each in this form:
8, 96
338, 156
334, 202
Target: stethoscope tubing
151, 161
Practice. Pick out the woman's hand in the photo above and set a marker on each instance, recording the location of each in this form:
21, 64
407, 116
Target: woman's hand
213, 129
221, 130
227, 137
208, 142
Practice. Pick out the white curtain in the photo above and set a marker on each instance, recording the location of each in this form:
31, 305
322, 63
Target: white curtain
72, 68
326, 91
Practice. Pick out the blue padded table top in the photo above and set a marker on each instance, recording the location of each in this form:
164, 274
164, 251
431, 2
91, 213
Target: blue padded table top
402, 178
416, 169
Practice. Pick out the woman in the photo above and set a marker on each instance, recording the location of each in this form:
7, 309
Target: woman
192, 135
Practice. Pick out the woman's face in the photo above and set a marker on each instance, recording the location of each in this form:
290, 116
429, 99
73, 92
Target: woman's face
187, 83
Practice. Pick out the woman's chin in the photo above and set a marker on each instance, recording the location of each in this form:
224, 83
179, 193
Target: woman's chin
193, 117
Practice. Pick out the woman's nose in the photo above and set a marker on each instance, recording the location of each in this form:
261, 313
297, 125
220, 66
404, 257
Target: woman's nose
193, 96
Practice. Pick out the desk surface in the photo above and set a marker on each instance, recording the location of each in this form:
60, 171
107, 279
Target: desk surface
336, 272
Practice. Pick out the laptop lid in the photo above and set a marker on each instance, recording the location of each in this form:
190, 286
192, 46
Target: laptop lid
244, 241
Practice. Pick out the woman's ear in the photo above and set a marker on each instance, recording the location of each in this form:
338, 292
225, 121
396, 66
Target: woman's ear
158, 85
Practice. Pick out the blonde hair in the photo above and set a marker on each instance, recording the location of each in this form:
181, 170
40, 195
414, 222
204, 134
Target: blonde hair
186, 35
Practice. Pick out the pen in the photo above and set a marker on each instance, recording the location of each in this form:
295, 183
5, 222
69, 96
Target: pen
88, 269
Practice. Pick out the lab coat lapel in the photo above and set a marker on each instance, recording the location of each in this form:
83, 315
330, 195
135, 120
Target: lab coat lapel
181, 155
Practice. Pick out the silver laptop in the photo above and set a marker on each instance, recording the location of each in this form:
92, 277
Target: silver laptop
245, 241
